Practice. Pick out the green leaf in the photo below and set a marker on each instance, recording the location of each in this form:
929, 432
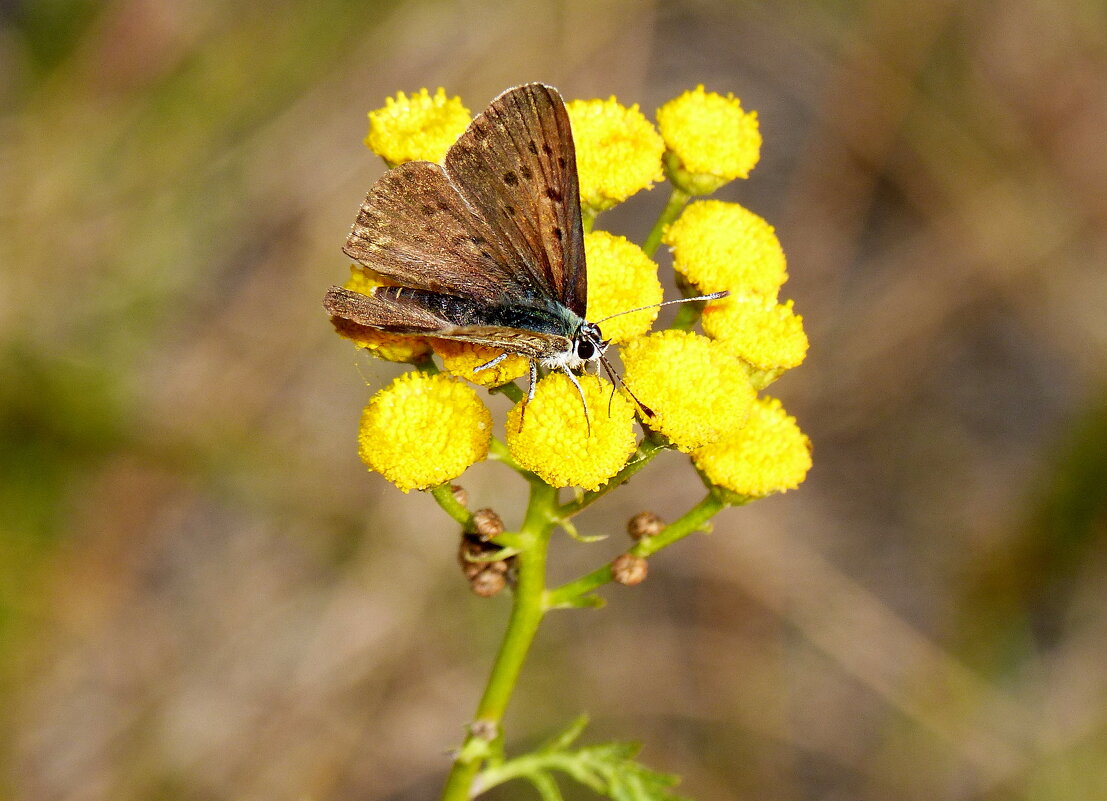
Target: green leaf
562, 741
571, 529
546, 786
609, 769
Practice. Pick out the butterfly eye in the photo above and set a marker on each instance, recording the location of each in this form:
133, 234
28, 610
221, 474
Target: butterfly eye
585, 349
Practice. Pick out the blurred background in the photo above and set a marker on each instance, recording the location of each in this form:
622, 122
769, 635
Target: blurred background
203, 593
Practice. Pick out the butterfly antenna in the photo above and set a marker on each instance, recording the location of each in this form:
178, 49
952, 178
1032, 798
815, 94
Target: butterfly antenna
618, 379
712, 296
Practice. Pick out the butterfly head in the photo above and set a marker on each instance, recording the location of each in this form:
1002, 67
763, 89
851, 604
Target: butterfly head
587, 346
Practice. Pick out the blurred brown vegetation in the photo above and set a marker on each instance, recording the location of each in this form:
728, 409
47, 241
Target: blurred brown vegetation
204, 595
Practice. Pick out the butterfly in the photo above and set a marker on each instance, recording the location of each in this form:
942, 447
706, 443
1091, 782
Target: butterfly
487, 247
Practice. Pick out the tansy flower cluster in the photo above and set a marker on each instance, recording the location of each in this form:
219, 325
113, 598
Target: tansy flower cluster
693, 391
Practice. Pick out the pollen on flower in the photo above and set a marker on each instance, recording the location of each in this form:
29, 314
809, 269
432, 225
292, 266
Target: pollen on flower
422, 430
554, 440
767, 335
769, 455
618, 151
711, 135
719, 245
461, 358
697, 389
621, 277
382, 344
417, 128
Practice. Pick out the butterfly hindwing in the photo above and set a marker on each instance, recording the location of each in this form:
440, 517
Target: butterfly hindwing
410, 314
516, 166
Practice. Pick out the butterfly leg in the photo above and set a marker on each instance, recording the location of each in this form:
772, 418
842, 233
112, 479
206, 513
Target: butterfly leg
530, 392
490, 363
583, 402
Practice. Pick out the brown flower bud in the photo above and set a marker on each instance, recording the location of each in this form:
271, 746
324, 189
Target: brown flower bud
487, 523
460, 495
488, 582
468, 554
644, 524
629, 569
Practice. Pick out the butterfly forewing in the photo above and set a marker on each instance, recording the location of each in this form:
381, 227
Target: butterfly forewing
516, 166
415, 229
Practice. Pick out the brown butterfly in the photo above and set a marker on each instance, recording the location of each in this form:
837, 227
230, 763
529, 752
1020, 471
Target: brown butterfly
487, 247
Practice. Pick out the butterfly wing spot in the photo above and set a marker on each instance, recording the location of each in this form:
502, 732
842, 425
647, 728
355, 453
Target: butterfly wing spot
510, 178
525, 171
547, 149
532, 147
561, 162
553, 194
509, 210
556, 231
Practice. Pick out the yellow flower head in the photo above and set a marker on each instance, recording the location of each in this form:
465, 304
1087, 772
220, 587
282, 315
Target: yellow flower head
383, 345
765, 334
422, 430
710, 140
697, 390
554, 440
460, 358
719, 245
417, 128
618, 151
769, 455
621, 277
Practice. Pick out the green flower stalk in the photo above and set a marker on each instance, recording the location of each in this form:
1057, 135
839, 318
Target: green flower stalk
695, 392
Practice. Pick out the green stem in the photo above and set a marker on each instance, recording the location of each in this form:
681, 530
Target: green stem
588, 219
695, 519
677, 201
499, 452
527, 610
510, 389
645, 453
444, 494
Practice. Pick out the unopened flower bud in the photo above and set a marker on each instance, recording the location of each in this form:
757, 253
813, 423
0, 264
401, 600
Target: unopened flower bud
487, 523
468, 556
487, 582
460, 495
629, 569
644, 524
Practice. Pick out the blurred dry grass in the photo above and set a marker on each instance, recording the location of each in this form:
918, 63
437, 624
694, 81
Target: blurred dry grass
204, 595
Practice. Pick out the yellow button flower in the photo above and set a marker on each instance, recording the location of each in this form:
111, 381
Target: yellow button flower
719, 245
769, 455
554, 440
422, 430
710, 140
417, 128
618, 151
621, 277
697, 389
383, 345
460, 358
765, 334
